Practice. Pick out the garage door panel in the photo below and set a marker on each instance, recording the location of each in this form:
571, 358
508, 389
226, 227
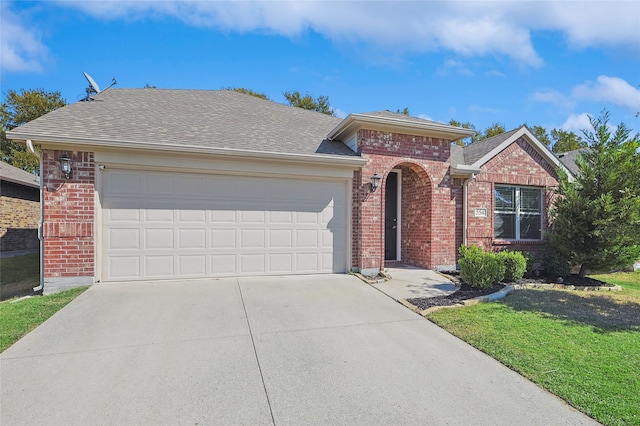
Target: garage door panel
208, 226
280, 238
280, 263
124, 239
223, 239
252, 263
192, 265
159, 266
192, 238
222, 216
121, 213
158, 238
252, 238
124, 267
223, 264
157, 212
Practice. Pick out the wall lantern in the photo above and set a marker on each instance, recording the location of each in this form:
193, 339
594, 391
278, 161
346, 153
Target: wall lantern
375, 182
65, 165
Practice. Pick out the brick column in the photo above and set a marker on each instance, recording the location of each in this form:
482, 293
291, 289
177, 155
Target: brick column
69, 218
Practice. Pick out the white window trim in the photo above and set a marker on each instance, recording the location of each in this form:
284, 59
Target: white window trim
517, 212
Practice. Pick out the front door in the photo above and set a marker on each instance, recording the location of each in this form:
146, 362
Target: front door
391, 217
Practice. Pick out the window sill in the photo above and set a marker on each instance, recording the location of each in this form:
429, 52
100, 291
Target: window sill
518, 242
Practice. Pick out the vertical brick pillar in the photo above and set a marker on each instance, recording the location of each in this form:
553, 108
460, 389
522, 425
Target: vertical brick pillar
69, 217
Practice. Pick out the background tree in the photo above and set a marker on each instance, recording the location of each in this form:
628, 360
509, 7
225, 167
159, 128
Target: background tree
18, 109
564, 141
405, 111
541, 134
250, 92
319, 104
466, 125
494, 130
596, 218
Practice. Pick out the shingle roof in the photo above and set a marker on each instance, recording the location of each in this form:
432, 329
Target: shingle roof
13, 174
569, 160
189, 118
475, 151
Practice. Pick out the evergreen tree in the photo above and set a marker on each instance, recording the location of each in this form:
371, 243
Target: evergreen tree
596, 217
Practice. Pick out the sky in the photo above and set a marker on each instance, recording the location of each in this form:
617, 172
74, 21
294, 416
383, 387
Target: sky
547, 63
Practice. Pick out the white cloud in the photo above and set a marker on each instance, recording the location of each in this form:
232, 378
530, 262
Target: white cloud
468, 29
425, 117
456, 67
609, 89
576, 122
554, 97
20, 46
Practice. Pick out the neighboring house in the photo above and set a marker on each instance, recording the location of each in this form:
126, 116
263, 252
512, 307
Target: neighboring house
19, 209
175, 184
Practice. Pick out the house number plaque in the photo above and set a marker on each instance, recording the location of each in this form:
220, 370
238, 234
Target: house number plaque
480, 212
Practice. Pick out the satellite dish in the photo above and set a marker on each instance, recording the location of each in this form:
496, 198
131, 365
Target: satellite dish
93, 88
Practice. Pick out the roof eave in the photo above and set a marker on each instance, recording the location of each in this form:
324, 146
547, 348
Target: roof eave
354, 122
463, 170
62, 141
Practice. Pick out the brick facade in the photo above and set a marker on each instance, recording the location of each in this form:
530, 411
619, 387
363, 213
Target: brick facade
432, 202
69, 212
19, 217
519, 164
428, 202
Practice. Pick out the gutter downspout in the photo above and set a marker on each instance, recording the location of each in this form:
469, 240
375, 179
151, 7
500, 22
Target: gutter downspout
32, 150
465, 204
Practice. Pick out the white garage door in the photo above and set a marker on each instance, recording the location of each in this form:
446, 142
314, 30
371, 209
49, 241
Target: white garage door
159, 225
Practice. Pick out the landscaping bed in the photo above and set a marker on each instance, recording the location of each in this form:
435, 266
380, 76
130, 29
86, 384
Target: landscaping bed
467, 292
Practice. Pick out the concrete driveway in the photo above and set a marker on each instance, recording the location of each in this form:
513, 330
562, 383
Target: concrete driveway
287, 351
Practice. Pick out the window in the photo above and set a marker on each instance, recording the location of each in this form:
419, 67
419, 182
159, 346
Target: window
518, 213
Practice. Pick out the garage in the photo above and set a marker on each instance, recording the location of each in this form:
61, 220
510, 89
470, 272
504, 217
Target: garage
168, 225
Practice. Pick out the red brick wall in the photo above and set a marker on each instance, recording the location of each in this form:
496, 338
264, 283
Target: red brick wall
429, 202
518, 164
69, 216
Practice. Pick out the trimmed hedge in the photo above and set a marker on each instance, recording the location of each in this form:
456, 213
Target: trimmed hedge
478, 268
515, 265
483, 269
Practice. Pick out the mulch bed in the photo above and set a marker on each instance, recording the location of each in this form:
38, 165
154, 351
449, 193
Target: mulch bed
467, 292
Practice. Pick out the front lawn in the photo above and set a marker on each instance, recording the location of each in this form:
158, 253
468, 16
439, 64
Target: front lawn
20, 316
582, 346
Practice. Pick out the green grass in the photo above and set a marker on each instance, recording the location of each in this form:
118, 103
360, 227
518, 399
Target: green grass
20, 316
582, 346
18, 275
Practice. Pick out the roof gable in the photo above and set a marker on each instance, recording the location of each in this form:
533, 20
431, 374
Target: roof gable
479, 153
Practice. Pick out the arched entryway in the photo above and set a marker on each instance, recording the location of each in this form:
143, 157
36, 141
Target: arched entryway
407, 215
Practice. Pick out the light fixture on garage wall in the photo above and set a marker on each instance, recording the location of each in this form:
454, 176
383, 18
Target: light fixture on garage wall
65, 165
375, 182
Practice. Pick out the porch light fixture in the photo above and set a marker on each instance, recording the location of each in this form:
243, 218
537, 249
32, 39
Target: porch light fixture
375, 182
65, 166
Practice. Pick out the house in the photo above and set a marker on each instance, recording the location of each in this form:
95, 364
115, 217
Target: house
179, 184
19, 209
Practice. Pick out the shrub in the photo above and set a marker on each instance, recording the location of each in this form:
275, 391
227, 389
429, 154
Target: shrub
515, 265
480, 269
